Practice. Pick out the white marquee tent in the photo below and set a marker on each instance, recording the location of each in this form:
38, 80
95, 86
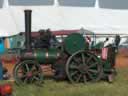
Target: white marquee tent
100, 16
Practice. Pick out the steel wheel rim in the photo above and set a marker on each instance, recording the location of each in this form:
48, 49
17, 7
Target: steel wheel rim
28, 75
77, 76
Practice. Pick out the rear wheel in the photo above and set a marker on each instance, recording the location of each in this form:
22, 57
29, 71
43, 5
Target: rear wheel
83, 66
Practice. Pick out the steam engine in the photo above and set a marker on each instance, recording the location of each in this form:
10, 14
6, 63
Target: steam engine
71, 59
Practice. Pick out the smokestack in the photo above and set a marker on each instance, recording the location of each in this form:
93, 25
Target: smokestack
28, 29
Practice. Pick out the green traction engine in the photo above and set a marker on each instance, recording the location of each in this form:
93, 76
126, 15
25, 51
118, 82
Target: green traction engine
72, 59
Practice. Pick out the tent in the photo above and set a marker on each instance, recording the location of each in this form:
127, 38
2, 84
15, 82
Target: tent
99, 16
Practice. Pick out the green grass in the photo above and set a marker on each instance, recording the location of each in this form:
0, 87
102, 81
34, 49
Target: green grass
53, 88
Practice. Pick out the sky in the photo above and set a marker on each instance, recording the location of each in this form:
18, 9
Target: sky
31, 2
114, 4
1, 3
110, 4
81, 3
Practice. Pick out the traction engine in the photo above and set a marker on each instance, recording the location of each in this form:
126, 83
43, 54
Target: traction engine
71, 59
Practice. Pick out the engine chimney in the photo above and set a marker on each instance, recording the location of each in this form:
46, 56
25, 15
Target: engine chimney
28, 29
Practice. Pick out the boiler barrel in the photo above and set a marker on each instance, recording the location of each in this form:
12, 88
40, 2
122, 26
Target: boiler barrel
43, 56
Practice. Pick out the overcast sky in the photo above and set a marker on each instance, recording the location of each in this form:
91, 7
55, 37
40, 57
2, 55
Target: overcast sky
1, 3
31, 2
114, 4
111, 4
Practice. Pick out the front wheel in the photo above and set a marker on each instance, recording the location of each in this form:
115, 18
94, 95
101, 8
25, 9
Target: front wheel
28, 72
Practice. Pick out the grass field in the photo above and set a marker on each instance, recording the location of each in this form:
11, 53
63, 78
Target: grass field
53, 88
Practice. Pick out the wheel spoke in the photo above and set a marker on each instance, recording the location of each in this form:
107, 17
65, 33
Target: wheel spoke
84, 78
27, 68
90, 75
92, 65
83, 58
74, 73
75, 60
73, 67
78, 79
93, 70
36, 73
90, 58
34, 67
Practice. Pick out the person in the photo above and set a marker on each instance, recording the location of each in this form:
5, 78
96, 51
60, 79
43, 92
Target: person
43, 41
117, 40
